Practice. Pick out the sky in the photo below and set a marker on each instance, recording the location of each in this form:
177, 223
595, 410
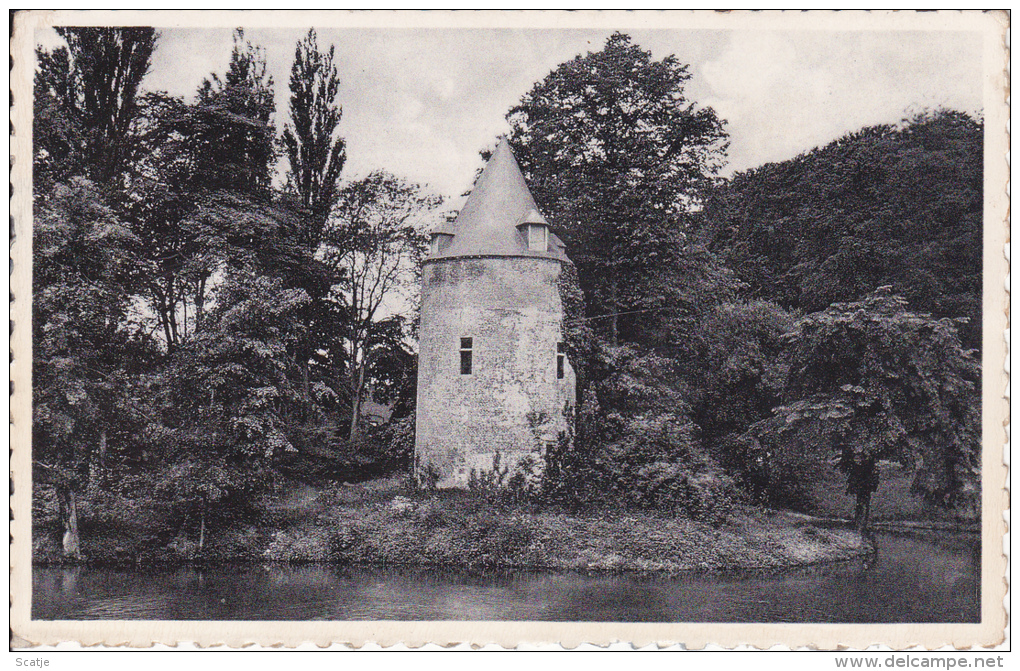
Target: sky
422, 103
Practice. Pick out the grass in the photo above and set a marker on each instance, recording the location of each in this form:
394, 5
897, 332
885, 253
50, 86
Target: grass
384, 522
891, 503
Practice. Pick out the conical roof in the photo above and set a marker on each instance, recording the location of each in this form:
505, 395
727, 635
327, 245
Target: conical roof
499, 202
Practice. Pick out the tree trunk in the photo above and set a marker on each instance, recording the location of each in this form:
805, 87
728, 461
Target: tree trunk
862, 511
356, 403
201, 532
69, 515
199, 304
164, 319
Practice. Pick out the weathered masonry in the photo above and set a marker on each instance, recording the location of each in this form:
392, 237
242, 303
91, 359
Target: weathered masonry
493, 377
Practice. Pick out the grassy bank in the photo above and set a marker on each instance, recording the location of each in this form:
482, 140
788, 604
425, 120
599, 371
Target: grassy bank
381, 522
892, 505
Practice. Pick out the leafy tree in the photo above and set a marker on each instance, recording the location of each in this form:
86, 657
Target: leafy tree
620, 160
229, 399
888, 205
870, 381
200, 193
85, 101
82, 345
735, 383
374, 245
236, 140
635, 444
56, 134
180, 224
314, 148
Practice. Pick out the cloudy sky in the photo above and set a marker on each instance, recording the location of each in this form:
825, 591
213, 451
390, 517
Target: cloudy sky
421, 103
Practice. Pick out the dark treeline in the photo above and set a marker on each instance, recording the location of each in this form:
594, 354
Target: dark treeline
204, 330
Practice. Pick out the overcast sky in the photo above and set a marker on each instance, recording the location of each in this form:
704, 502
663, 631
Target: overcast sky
422, 103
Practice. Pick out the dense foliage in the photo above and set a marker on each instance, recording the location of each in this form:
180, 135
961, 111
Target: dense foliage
887, 205
869, 381
201, 332
619, 159
704, 279
315, 151
192, 339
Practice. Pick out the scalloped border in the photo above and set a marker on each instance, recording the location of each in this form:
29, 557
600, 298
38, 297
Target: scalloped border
995, 504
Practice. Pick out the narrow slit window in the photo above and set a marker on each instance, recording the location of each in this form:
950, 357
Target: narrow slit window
561, 360
465, 356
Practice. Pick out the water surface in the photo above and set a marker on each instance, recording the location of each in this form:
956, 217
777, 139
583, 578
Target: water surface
929, 578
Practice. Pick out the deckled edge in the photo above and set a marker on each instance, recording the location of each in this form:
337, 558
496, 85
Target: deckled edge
25, 632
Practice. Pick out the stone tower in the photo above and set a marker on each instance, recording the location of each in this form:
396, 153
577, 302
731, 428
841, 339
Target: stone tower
493, 377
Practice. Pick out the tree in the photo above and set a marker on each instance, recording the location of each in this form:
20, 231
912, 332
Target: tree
229, 398
236, 142
374, 245
871, 381
85, 102
735, 382
887, 205
315, 150
620, 161
56, 134
201, 189
82, 345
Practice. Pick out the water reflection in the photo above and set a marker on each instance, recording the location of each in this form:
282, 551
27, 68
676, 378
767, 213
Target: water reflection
911, 579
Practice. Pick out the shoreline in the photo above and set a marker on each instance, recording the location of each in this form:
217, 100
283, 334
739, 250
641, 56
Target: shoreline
382, 523
467, 568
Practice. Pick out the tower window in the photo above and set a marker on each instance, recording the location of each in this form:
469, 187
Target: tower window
465, 356
440, 241
561, 359
538, 238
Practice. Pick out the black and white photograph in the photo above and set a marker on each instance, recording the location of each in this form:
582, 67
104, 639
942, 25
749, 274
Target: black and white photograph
677, 318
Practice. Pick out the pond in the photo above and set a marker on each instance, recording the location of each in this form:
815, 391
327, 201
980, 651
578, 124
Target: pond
913, 578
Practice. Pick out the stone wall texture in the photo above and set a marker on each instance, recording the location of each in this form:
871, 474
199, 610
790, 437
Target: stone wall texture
512, 402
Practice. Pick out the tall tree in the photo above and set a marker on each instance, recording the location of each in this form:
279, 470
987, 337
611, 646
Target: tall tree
201, 185
85, 99
374, 246
238, 134
620, 160
870, 381
315, 150
81, 341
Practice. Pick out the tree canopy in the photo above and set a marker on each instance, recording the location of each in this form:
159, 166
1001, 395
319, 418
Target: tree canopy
870, 380
620, 161
898, 205
85, 101
315, 150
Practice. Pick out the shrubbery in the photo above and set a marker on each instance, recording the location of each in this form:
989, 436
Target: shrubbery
635, 445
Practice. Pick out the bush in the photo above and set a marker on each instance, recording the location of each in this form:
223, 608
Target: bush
779, 473
301, 544
343, 544
496, 538
393, 443
645, 461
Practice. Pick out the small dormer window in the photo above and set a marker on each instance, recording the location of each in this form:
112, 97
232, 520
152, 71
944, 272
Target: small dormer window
440, 241
538, 238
